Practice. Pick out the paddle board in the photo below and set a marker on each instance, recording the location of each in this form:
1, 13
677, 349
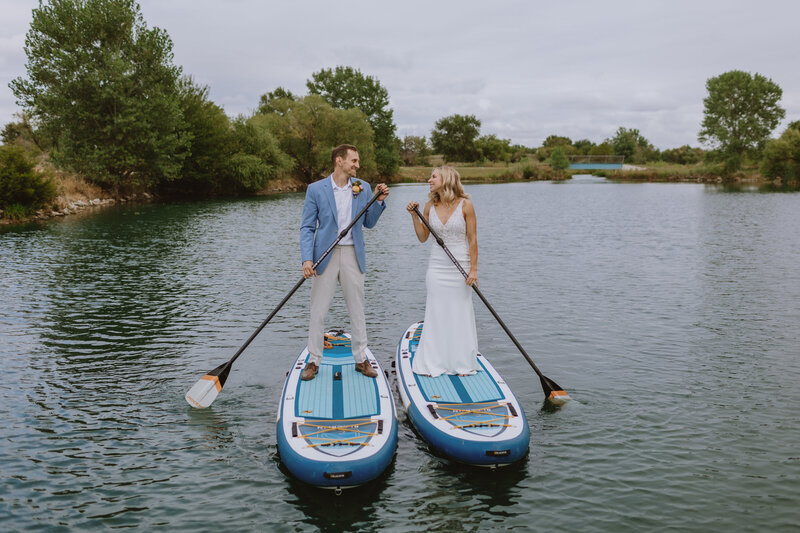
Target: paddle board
471, 419
339, 429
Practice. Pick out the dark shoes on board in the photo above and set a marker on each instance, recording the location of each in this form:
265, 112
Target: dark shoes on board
309, 372
366, 369
311, 369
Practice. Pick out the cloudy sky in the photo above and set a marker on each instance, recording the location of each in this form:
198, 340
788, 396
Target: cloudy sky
525, 69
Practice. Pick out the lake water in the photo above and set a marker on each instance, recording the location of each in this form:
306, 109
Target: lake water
668, 312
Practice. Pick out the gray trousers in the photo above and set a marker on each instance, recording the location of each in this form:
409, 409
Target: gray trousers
342, 269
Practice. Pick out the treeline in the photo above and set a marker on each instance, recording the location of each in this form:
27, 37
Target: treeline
740, 113
103, 99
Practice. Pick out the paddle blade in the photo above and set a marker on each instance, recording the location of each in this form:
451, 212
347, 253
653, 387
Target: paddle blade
554, 393
206, 390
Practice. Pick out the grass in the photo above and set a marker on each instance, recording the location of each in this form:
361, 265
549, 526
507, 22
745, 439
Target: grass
72, 188
700, 172
484, 172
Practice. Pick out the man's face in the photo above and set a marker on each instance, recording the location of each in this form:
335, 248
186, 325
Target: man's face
350, 163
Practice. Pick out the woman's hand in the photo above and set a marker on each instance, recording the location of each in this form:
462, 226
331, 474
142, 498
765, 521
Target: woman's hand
472, 278
411, 206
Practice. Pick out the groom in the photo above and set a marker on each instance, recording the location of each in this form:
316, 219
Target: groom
330, 205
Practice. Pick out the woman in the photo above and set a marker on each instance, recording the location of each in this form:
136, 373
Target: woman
449, 341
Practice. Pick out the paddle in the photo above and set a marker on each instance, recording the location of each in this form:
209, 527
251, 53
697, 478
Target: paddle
552, 391
205, 391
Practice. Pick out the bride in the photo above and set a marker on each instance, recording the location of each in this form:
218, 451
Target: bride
449, 341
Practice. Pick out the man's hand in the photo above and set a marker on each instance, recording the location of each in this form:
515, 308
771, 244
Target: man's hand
383, 190
307, 270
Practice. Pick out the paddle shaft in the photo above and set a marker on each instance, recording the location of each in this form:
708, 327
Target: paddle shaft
341, 236
546, 382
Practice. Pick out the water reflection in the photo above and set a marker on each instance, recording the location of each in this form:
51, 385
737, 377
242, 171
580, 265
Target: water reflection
352, 510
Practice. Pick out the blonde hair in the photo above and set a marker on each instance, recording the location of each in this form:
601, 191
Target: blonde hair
451, 186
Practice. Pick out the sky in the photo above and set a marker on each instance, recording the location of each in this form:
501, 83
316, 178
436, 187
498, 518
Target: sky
525, 69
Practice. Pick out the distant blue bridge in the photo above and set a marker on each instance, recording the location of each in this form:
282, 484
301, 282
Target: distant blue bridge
596, 162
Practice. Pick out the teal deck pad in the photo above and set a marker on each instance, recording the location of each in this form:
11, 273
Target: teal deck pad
352, 396
479, 387
314, 397
359, 393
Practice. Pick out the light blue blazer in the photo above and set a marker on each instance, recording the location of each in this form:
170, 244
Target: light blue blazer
320, 225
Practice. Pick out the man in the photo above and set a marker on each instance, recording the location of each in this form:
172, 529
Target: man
329, 207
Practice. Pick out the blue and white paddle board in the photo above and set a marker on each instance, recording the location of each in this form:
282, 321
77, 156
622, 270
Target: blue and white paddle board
339, 429
471, 419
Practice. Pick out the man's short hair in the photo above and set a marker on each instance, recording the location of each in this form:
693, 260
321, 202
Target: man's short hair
341, 151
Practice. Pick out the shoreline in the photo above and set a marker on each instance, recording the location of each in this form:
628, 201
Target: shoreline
71, 204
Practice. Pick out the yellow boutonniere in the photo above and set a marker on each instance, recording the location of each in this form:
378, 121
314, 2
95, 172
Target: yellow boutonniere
356, 188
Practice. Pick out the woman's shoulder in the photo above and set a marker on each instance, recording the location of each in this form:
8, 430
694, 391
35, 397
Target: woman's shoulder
468, 209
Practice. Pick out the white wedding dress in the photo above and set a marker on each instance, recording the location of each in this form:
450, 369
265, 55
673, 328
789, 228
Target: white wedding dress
449, 341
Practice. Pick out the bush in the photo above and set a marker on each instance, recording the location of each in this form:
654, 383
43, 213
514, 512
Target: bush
16, 212
22, 187
782, 156
529, 172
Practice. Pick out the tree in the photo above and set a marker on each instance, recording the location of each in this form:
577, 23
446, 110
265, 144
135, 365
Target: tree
256, 157
556, 140
21, 186
685, 155
346, 88
24, 134
454, 137
632, 144
604, 148
490, 148
583, 146
558, 159
740, 112
308, 129
102, 86
266, 102
208, 134
782, 156
414, 150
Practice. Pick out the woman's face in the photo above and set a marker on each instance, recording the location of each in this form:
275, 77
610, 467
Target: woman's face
435, 181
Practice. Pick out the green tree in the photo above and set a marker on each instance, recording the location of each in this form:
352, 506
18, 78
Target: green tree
604, 148
583, 146
21, 186
225, 157
265, 104
632, 144
209, 137
24, 134
740, 112
256, 157
558, 159
684, 155
781, 157
490, 148
345, 88
414, 150
307, 129
556, 140
454, 137
103, 87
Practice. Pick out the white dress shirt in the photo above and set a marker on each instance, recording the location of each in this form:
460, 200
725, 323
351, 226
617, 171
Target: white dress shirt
344, 209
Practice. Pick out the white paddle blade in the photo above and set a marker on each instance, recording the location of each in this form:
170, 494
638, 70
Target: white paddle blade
559, 397
204, 392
